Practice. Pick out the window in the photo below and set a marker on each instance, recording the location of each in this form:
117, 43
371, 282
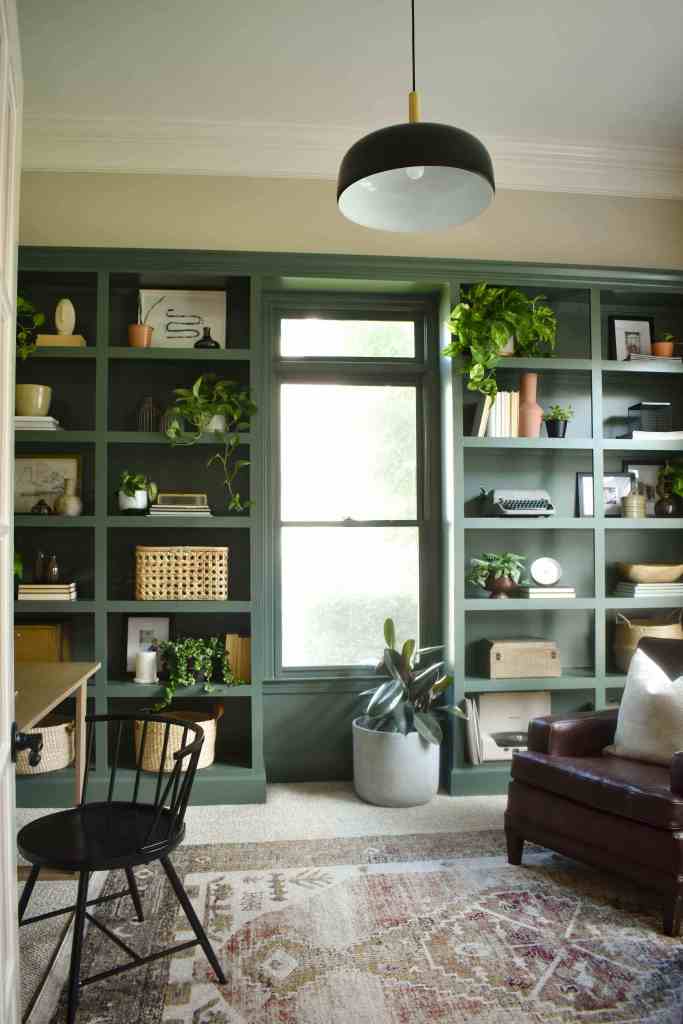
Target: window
353, 527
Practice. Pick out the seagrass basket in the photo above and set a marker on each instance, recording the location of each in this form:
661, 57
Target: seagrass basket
154, 742
58, 746
181, 573
629, 632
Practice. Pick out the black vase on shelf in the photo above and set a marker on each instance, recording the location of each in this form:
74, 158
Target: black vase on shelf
206, 341
51, 574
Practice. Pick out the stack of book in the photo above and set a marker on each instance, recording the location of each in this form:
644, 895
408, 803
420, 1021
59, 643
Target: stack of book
36, 423
497, 418
672, 590
545, 593
184, 505
645, 357
47, 592
657, 435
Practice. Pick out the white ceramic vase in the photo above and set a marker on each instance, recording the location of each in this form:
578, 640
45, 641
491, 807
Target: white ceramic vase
392, 770
133, 503
216, 423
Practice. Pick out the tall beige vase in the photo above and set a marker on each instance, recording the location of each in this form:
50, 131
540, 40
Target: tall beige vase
530, 412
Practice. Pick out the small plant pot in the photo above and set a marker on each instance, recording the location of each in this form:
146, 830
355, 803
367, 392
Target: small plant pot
217, 424
499, 588
140, 335
33, 399
662, 348
392, 770
133, 502
556, 428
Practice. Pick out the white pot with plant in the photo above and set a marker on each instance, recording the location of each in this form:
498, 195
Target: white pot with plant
396, 743
140, 333
135, 492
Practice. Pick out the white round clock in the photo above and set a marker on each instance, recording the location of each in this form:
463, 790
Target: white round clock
545, 571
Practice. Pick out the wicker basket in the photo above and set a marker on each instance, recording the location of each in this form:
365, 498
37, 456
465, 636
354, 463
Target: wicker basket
154, 741
181, 574
58, 746
630, 631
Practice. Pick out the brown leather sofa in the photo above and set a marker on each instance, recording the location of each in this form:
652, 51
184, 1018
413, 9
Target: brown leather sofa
620, 815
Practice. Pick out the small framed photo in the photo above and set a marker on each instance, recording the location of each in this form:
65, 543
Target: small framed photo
144, 632
41, 478
644, 476
615, 487
631, 337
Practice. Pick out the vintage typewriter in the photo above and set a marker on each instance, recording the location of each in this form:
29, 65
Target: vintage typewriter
517, 503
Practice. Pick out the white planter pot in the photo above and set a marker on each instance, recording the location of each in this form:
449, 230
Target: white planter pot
392, 770
216, 423
136, 502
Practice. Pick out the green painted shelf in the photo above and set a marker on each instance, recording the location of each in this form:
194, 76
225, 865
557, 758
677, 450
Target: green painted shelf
180, 522
510, 604
54, 522
571, 679
528, 523
55, 607
564, 443
131, 690
184, 354
138, 607
140, 437
65, 352
622, 444
636, 602
612, 366
665, 523
62, 438
543, 365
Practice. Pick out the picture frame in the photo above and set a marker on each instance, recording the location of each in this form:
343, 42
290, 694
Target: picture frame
631, 336
178, 316
40, 476
644, 473
142, 631
615, 486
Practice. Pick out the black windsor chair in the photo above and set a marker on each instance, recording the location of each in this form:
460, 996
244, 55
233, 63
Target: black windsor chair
116, 833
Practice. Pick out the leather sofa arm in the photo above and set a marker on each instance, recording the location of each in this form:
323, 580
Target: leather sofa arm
582, 734
677, 773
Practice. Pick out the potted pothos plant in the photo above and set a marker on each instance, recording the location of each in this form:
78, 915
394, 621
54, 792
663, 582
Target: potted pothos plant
135, 492
499, 573
221, 408
489, 320
556, 419
396, 740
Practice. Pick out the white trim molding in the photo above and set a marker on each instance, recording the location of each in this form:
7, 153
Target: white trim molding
260, 150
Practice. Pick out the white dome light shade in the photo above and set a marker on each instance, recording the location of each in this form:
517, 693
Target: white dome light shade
415, 177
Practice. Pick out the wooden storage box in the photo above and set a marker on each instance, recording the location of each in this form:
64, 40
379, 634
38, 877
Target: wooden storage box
42, 641
519, 659
181, 574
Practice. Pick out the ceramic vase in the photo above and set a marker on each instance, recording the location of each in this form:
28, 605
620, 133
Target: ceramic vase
500, 587
216, 423
392, 770
69, 504
530, 412
133, 502
33, 399
140, 335
148, 416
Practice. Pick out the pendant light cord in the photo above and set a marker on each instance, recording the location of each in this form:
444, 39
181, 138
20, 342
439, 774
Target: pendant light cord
412, 21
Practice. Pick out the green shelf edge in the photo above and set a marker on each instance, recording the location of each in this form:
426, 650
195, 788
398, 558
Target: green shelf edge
140, 437
130, 690
77, 607
228, 355
227, 607
55, 522
161, 523
59, 437
528, 523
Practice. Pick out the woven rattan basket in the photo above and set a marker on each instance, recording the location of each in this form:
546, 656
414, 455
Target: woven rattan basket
628, 632
154, 741
58, 746
181, 574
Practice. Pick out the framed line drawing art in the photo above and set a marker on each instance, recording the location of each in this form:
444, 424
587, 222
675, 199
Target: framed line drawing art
631, 337
41, 477
178, 317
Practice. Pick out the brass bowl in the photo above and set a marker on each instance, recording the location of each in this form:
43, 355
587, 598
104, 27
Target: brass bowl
650, 572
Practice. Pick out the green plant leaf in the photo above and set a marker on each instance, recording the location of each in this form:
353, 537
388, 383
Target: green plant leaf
389, 633
407, 652
428, 727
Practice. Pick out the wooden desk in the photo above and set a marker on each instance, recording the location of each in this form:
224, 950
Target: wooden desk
39, 686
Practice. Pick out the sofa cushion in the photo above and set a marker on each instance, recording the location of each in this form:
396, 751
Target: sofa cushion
630, 789
650, 722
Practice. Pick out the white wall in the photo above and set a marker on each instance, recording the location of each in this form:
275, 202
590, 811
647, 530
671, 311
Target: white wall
275, 214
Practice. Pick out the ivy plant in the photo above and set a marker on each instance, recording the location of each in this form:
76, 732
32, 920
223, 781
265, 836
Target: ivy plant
28, 322
506, 564
191, 415
132, 482
192, 661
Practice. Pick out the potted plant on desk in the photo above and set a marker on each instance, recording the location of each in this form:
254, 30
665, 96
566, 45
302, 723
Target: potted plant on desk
396, 741
556, 419
497, 573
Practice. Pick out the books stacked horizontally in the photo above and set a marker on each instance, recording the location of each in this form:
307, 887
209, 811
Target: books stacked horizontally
657, 435
672, 590
36, 423
185, 504
645, 357
499, 417
545, 593
47, 592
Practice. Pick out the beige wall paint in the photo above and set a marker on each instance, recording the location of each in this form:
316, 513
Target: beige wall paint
275, 214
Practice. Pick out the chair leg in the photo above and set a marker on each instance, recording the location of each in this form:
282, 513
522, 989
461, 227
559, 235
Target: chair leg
515, 846
184, 901
673, 913
77, 948
134, 893
27, 890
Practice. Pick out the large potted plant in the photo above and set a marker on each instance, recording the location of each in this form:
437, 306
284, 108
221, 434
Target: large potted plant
490, 320
497, 573
396, 741
221, 408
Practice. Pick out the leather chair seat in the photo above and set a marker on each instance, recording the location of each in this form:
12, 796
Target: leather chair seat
630, 789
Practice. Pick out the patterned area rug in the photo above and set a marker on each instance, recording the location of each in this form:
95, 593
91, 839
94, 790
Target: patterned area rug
422, 929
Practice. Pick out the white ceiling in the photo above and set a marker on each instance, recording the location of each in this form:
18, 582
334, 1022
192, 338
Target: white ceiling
577, 95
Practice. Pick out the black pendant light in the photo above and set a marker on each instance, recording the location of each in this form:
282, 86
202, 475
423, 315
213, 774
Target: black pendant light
417, 176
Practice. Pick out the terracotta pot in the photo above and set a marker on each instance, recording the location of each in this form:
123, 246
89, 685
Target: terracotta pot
499, 588
662, 348
530, 412
140, 335
33, 399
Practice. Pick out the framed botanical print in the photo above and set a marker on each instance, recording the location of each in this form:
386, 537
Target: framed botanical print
42, 477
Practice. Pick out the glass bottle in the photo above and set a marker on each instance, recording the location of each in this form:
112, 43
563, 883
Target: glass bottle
39, 567
148, 416
52, 570
206, 341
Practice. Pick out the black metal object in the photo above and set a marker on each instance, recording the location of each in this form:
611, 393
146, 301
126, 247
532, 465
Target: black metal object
31, 741
119, 833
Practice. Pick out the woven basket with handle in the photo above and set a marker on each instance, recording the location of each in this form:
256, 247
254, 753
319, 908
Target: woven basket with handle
58, 746
181, 573
154, 740
630, 631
